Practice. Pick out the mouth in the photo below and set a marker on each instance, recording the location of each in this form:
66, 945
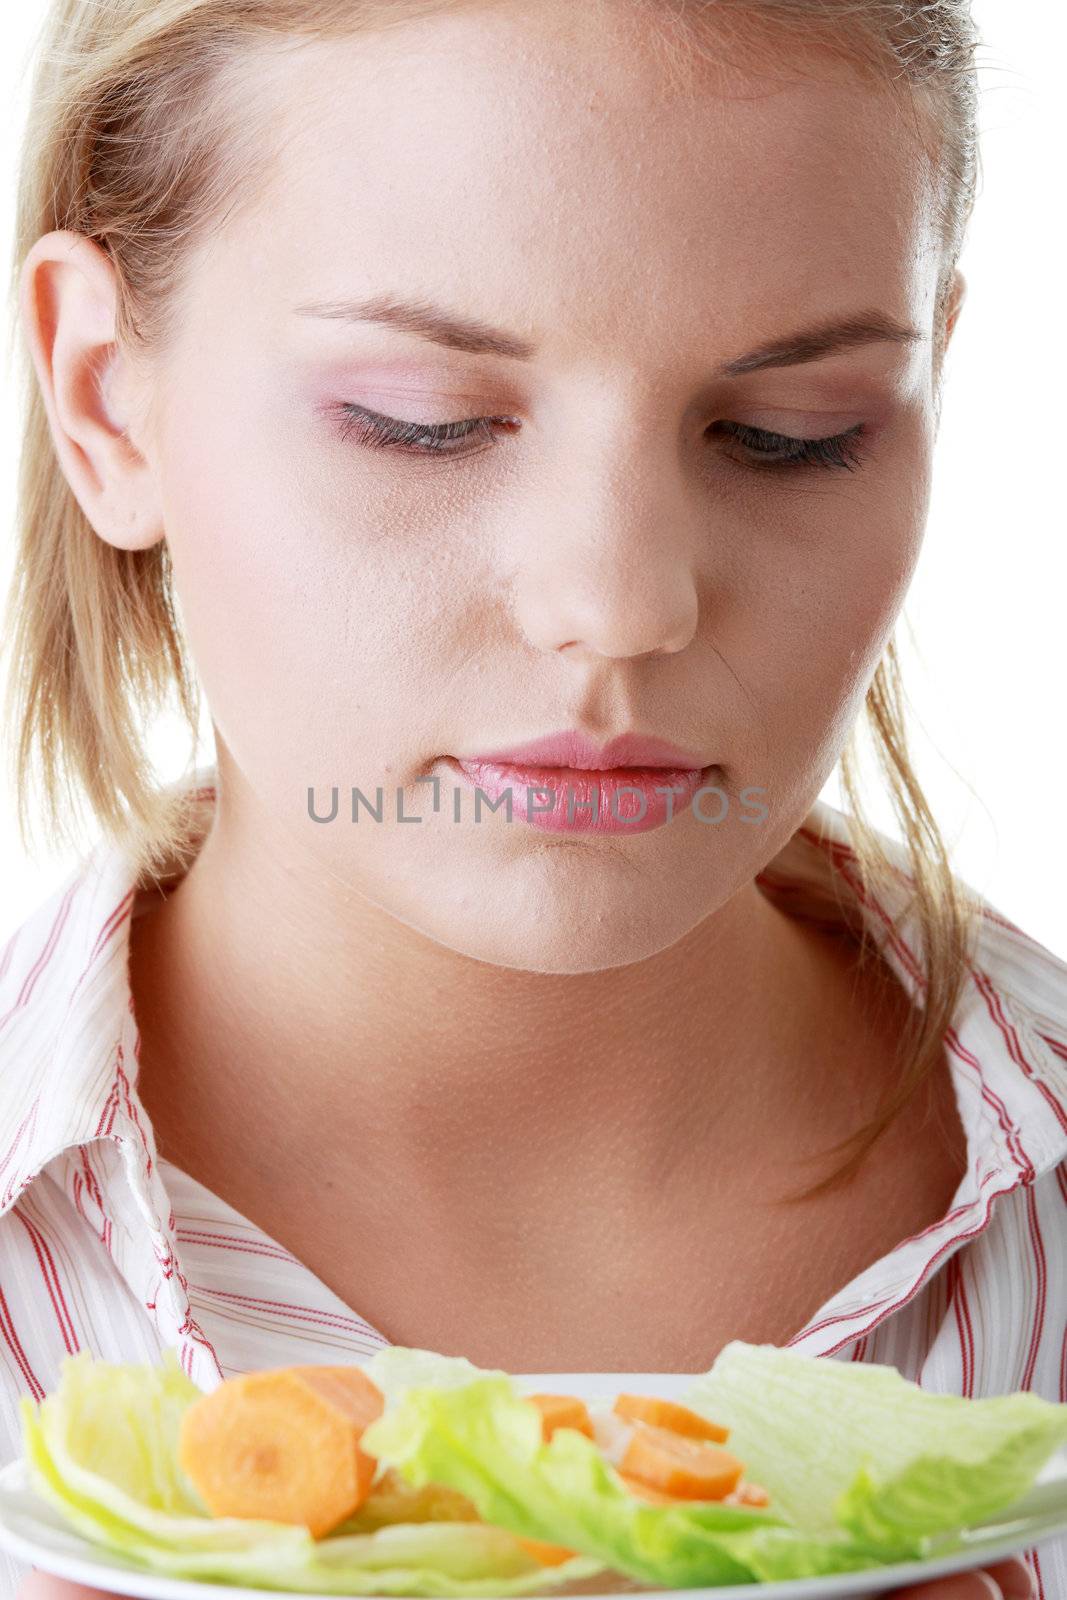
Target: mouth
574, 749
615, 800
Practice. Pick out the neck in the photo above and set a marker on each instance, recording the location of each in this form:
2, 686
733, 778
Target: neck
333, 1034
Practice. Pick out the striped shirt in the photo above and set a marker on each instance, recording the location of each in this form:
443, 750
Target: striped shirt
107, 1247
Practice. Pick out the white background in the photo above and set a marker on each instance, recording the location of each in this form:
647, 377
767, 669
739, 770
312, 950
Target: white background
982, 638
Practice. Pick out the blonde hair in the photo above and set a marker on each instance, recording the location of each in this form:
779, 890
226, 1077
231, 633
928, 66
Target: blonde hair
132, 141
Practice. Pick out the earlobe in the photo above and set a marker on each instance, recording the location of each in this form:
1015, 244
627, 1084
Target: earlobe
67, 302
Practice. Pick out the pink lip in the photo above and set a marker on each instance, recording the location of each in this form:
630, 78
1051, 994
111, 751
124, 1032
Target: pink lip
575, 749
567, 784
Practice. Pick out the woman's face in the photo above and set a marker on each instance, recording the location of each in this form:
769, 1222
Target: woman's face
680, 275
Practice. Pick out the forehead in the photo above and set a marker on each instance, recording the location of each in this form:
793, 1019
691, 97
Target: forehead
554, 164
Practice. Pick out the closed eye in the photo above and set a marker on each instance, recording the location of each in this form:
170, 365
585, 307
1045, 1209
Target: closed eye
418, 438
759, 447
763, 449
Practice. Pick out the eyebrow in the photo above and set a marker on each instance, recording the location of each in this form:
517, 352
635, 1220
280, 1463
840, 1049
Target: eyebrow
824, 339
457, 332
428, 321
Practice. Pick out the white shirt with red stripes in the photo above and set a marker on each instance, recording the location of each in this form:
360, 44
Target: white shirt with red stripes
106, 1247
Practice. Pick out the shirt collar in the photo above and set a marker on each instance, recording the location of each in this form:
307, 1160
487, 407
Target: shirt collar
69, 1046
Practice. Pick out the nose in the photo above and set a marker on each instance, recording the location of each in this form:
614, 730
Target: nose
611, 568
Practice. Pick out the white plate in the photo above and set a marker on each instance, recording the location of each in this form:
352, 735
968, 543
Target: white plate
34, 1532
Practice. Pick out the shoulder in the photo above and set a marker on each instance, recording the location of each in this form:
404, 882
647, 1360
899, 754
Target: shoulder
1023, 985
39, 967
62, 981
36, 975
1034, 975
67, 1234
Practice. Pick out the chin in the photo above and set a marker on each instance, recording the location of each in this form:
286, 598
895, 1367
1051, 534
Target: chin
606, 920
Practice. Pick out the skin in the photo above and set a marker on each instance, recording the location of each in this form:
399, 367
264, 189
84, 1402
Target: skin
616, 562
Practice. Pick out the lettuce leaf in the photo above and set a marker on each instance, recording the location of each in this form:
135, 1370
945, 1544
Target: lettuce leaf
863, 1467
883, 1458
103, 1450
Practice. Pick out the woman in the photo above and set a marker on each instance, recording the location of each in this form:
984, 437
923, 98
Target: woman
537, 400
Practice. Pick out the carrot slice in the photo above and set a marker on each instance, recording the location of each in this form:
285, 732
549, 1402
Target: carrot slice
691, 1469
562, 1411
283, 1444
746, 1494
645, 1491
669, 1414
549, 1555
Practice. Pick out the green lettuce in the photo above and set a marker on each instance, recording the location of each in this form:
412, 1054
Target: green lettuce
898, 1467
863, 1468
102, 1449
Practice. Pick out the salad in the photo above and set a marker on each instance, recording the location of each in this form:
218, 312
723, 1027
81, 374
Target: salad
415, 1473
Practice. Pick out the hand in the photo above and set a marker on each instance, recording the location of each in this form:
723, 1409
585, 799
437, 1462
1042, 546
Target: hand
43, 1586
1006, 1580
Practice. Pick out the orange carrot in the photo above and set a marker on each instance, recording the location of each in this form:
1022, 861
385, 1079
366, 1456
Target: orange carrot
283, 1445
562, 1411
549, 1555
645, 1491
669, 1414
691, 1469
746, 1494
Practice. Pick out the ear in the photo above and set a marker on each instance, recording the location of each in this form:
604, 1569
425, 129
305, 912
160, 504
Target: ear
957, 290
67, 303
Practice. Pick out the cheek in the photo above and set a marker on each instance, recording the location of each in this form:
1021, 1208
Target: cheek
306, 620
877, 562
830, 600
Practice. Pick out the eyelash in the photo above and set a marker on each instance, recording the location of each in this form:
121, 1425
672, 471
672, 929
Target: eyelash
779, 452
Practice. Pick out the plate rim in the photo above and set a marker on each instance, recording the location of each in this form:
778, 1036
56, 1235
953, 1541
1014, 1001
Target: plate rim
148, 1585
